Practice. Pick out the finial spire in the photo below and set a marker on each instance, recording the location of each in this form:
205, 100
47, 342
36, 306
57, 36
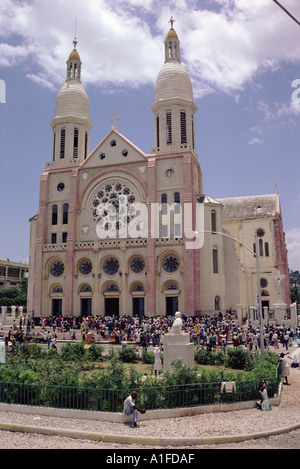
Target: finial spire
75, 42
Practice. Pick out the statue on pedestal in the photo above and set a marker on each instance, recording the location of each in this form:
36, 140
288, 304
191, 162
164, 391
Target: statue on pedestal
177, 324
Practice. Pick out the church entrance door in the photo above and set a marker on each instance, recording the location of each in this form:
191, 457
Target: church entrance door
86, 306
138, 307
111, 306
171, 305
56, 307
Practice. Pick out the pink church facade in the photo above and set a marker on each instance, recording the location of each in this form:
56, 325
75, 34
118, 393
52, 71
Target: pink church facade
118, 231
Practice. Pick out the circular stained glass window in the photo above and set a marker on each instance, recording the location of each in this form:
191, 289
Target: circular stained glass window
85, 267
111, 266
112, 206
260, 232
170, 264
57, 269
137, 265
263, 282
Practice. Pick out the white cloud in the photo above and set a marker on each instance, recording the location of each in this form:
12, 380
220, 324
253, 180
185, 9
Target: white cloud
292, 237
255, 141
121, 42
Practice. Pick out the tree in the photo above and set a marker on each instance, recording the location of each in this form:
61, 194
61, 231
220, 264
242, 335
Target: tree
295, 295
15, 296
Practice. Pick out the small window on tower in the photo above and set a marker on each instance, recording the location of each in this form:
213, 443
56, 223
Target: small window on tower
85, 145
62, 142
183, 127
169, 126
75, 144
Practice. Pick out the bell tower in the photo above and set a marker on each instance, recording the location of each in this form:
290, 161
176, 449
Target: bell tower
174, 109
71, 124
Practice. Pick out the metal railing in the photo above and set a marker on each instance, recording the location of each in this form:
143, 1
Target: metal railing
151, 398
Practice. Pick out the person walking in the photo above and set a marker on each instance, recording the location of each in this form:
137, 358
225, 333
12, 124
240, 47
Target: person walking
157, 360
284, 368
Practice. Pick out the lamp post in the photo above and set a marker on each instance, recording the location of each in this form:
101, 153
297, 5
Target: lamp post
262, 349
256, 254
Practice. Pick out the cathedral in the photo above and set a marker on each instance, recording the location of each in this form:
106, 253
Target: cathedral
123, 232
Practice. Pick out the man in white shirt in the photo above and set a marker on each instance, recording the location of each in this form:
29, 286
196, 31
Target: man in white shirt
131, 409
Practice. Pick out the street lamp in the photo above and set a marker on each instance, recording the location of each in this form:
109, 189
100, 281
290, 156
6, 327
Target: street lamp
256, 254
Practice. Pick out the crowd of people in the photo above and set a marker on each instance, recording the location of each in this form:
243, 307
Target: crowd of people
206, 331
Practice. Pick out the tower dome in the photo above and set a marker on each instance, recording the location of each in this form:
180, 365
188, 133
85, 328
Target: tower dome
71, 124
174, 107
72, 99
173, 81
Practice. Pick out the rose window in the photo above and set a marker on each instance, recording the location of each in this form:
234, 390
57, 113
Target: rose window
111, 266
137, 265
85, 267
111, 206
170, 264
57, 269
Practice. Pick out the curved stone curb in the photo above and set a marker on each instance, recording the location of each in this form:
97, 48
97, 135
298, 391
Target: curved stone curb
141, 440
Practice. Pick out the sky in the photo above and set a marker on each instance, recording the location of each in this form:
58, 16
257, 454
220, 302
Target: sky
243, 57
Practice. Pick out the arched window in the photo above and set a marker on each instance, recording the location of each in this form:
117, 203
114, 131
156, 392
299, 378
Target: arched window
65, 214
138, 287
164, 201
177, 202
54, 214
172, 286
267, 250
213, 221
215, 261
261, 247
112, 288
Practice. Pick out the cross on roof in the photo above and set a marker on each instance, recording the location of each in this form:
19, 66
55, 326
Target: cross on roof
113, 120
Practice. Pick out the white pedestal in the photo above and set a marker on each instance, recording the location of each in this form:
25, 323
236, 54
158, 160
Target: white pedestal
280, 312
178, 346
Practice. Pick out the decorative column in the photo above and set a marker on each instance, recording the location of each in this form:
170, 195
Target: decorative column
239, 310
3, 314
71, 240
150, 250
41, 239
13, 312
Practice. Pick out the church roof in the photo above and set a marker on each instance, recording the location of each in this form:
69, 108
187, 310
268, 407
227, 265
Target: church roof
258, 206
207, 199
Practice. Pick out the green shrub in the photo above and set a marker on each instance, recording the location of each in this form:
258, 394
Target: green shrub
237, 358
128, 354
147, 357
